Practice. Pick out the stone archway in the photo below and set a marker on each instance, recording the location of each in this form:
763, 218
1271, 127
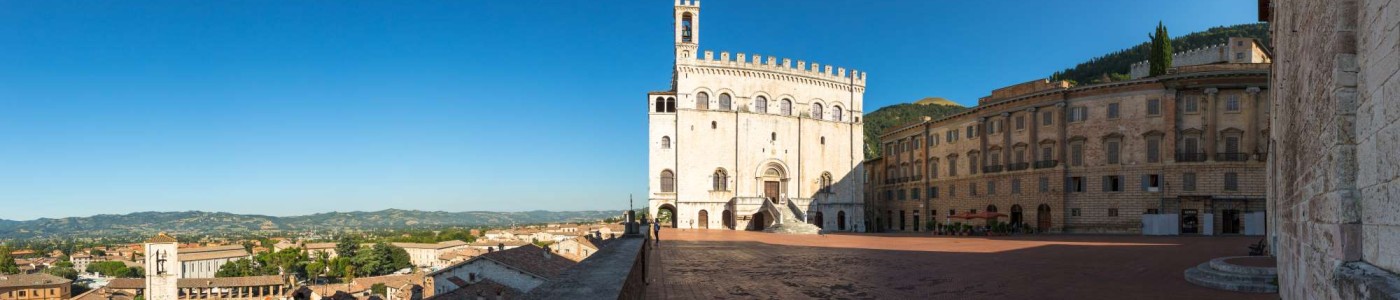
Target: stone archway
772, 180
703, 219
817, 220
666, 215
841, 220
1042, 218
728, 219
1016, 215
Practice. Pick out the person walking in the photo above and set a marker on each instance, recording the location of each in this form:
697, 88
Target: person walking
656, 232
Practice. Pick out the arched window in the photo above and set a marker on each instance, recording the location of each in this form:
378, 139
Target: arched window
786, 107
668, 181
660, 104
721, 180
686, 29
724, 102
826, 182
836, 113
761, 105
665, 142
670, 104
702, 101
817, 111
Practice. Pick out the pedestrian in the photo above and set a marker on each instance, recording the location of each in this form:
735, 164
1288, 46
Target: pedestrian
656, 232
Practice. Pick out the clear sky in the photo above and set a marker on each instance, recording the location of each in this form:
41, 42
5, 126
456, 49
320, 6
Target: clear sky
296, 107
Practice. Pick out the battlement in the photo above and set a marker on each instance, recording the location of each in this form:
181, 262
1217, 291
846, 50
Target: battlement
1217, 53
758, 62
690, 3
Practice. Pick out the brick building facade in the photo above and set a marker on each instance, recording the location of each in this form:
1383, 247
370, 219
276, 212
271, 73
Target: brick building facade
1336, 214
1096, 158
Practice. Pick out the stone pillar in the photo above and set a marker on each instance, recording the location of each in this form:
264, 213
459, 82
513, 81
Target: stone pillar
1063, 128
1209, 106
1005, 139
1033, 146
1251, 132
1172, 129
982, 148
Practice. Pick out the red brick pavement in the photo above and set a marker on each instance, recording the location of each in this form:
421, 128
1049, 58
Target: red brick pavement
717, 264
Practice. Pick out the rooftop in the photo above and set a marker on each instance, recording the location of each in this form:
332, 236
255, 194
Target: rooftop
25, 280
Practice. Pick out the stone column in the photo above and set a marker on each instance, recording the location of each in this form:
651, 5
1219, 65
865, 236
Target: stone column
1251, 132
1063, 129
1033, 146
1005, 140
1171, 130
1209, 107
982, 148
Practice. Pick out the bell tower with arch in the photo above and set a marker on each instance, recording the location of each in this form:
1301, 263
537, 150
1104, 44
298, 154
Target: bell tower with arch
687, 23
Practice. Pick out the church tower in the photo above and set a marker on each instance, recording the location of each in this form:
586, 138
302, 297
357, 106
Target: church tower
162, 268
687, 29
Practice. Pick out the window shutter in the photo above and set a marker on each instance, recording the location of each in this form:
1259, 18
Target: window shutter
1144, 182
1105, 184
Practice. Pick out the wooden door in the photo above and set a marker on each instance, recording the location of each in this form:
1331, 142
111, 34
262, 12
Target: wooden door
770, 190
704, 219
1042, 218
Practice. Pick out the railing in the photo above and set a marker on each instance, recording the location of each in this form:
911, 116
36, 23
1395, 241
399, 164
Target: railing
1231, 156
797, 212
1018, 166
991, 169
1190, 157
772, 209
1046, 164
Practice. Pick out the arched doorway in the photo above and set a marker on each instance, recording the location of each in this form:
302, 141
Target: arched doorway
759, 221
666, 215
1042, 217
1016, 215
772, 183
728, 219
704, 219
841, 220
817, 220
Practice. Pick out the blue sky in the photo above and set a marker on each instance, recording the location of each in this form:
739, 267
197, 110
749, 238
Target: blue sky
296, 107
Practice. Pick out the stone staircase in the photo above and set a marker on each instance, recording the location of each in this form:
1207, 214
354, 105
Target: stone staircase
789, 220
1220, 274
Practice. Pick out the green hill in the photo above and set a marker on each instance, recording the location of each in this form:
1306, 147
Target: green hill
899, 114
1118, 63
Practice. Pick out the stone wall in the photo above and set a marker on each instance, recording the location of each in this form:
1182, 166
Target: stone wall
1336, 217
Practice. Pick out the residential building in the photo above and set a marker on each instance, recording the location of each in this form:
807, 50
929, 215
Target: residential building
521, 269
34, 287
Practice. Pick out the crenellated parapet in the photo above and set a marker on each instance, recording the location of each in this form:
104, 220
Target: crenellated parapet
1199, 56
800, 70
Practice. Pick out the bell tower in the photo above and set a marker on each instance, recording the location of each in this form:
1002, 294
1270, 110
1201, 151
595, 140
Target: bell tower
162, 268
687, 16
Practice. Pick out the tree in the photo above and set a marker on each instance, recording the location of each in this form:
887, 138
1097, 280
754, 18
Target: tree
111, 269
1160, 56
7, 262
378, 289
381, 259
238, 268
98, 252
346, 247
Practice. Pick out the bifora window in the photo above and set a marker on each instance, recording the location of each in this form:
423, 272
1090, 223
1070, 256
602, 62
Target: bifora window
702, 101
721, 180
836, 113
760, 104
668, 181
724, 102
786, 107
825, 182
817, 111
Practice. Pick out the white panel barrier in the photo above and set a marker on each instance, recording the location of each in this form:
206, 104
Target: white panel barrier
1160, 224
1254, 223
1208, 222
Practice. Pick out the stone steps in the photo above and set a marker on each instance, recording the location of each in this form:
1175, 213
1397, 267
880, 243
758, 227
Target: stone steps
1219, 274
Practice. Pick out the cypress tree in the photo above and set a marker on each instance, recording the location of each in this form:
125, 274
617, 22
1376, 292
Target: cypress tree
1160, 53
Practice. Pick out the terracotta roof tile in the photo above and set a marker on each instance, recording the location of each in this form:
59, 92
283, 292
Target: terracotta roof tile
22, 280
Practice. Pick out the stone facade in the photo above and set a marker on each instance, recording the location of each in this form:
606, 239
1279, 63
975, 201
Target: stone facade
1236, 50
1097, 158
1336, 222
741, 142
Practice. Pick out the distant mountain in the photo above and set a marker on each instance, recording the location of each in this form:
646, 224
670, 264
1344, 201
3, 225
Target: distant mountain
1121, 61
219, 223
899, 114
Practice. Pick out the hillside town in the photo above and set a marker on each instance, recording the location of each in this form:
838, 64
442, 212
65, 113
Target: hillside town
497, 262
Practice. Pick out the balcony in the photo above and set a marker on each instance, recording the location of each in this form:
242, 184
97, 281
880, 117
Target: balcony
991, 169
1190, 157
1232, 156
1018, 166
1045, 164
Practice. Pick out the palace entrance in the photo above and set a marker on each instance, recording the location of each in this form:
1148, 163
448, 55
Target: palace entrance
1042, 218
770, 191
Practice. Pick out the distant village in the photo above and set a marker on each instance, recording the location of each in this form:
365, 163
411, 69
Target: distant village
491, 263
